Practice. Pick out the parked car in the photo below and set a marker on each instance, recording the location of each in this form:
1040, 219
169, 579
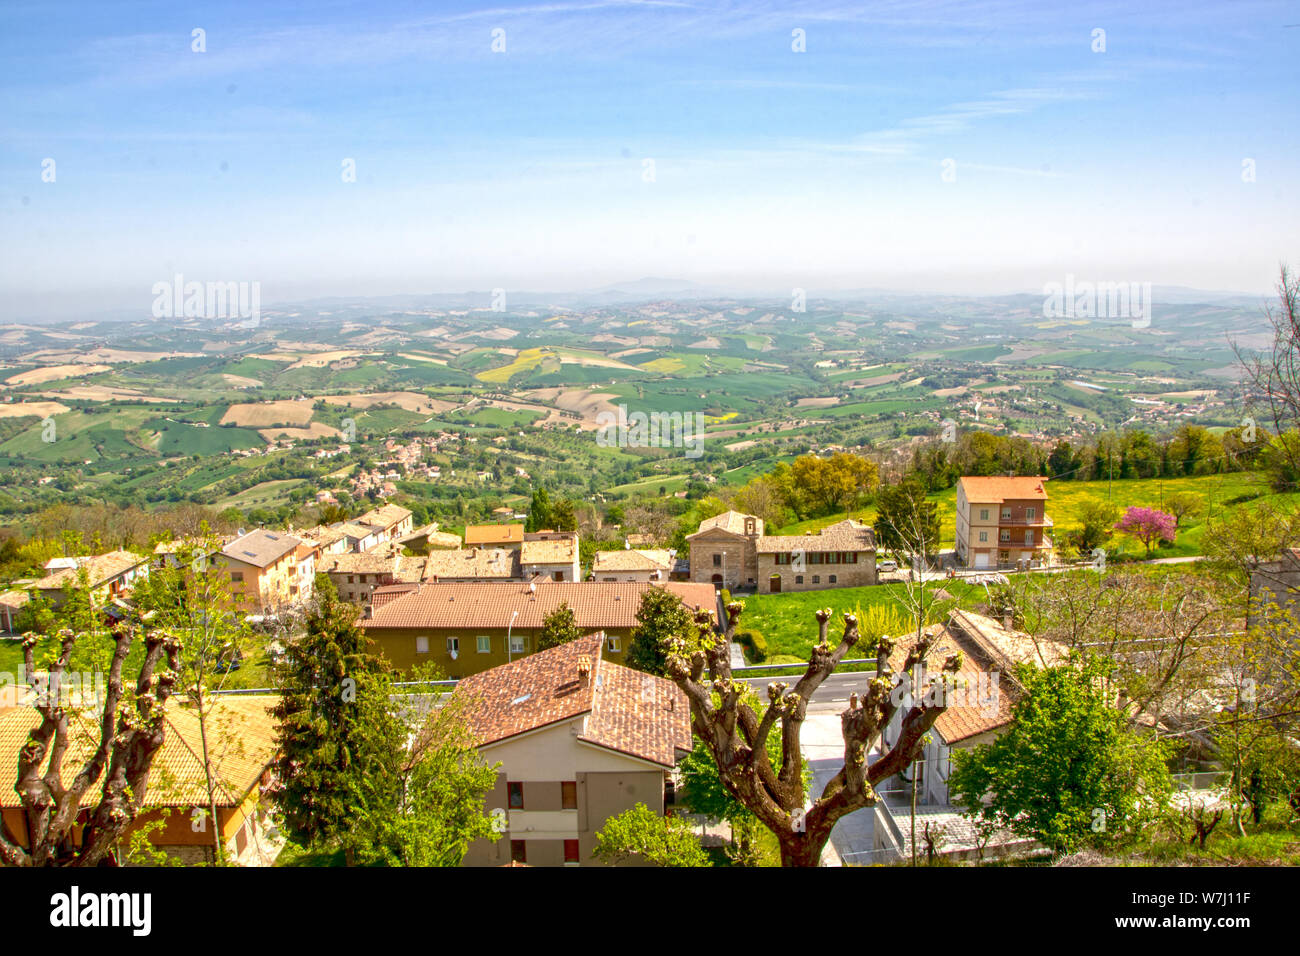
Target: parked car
884, 567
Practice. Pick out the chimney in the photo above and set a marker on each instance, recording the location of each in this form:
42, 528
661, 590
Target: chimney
584, 671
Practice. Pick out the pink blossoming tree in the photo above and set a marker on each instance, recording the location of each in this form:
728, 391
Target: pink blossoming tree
1148, 525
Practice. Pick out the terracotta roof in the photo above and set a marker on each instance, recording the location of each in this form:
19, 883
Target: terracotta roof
243, 744
434, 537
260, 548
732, 521
627, 711
491, 563
631, 560
366, 562
596, 604
15, 599
987, 648
554, 551
99, 568
353, 529
966, 716
996, 489
323, 535
478, 534
843, 536
386, 516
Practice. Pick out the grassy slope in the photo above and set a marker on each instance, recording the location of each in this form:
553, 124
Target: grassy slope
1064, 498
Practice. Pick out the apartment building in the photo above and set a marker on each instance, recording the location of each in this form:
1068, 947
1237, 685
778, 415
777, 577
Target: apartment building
264, 570
579, 739
1003, 523
468, 628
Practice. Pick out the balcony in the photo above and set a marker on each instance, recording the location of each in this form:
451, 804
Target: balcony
1040, 522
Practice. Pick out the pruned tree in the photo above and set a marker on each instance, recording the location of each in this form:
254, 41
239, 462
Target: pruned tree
131, 732
1273, 376
737, 737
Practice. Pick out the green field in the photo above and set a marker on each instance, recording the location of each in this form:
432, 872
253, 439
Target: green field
789, 624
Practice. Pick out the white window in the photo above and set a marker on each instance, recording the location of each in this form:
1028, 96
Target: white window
984, 536
1029, 538
421, 645
984, 514
1029, 513
1006, 512
516, 645
612, 644
1005, 535
453, 645
484, 645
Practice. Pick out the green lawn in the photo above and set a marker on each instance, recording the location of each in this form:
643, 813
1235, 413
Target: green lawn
789, 624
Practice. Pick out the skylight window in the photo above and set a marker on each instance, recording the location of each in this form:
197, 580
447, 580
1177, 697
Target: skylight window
520, 700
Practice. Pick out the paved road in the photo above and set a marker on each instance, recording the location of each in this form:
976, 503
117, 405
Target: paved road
831, 697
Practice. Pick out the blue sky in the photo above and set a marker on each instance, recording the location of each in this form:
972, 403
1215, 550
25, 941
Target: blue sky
526, 169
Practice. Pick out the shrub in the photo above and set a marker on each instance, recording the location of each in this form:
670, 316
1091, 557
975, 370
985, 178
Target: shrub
755, 645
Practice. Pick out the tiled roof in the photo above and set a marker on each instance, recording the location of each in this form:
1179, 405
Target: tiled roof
491, 563
987, 648
629, 712
323, 535
480, 534
966, 716
843, 536
596, 604
630, 560
241, 734
352, 529
556, 551
365, 562
435, 538
15, 599
638, 714
99, 568
732, 521
996, 489
261, 548
384, 517
1008, 646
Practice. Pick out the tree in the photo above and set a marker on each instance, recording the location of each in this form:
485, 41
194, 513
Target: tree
1069, 771
193, 600
1148, 525
1275, 373
661, 618
558, 627
563, 517
1097, 518
821, 486
131, 732
421, 803
323, 742
737, 736
1180, 504
539, 512
905, 520
642, 834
